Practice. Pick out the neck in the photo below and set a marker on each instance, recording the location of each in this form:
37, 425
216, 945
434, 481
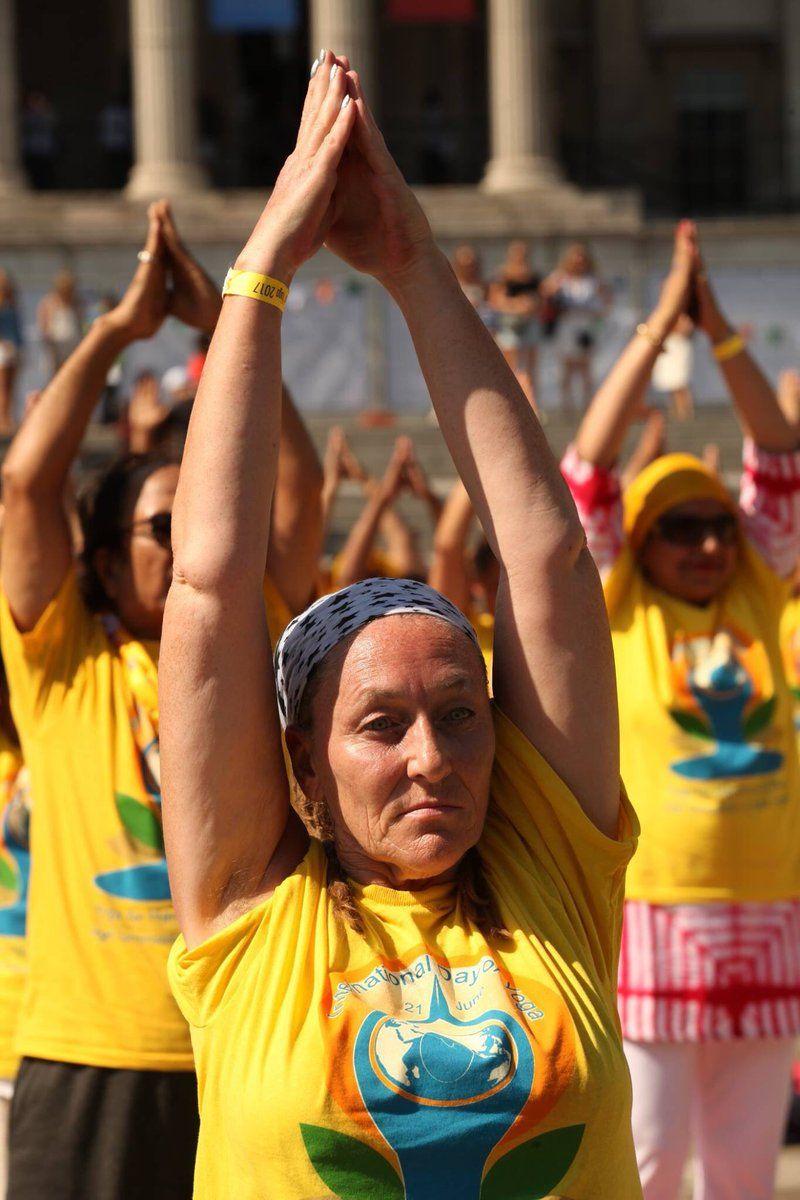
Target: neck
362, 869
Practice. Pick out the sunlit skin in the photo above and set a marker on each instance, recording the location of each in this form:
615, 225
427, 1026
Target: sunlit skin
137, 578
400, 746
696, 574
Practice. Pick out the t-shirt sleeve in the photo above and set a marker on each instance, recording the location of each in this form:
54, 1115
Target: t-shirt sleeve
205, 979
43, 662
540, 842
598, 499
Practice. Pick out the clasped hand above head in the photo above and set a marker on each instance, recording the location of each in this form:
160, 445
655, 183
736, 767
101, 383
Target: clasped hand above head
340, 187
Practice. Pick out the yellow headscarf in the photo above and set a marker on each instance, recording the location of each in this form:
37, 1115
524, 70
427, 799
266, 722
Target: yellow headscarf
668, 481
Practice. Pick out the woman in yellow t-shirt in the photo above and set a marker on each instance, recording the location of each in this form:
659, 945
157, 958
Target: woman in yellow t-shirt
417, 999
709, 984
105, 1102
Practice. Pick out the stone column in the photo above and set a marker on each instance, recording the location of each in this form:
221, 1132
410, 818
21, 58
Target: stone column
790, 36
11, 176
348, 27
165, 105
521, 134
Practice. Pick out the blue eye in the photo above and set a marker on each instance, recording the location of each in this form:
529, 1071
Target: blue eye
459, 714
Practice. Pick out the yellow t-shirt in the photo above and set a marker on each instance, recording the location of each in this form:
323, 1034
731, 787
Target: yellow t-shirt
790, 646
419, 1059
100, 918
708, 749
14, 874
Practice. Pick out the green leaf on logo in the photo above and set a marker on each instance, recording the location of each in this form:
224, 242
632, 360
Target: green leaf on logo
533, 1169
690, 723
8, 876
140, 822
760, 717
350, 1168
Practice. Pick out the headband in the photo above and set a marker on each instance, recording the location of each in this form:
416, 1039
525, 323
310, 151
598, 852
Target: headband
314, 633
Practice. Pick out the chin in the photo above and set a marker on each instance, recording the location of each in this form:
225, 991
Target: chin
432, 854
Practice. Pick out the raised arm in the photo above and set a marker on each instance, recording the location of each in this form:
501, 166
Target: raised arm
354, 555
37, 547
760, 415
449, 572
618, 400
554, 672
296, 536
228, 833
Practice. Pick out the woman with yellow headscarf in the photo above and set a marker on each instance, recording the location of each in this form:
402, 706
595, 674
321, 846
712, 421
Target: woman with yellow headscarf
709, 984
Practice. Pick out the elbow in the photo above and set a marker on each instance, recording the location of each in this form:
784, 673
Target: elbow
20, 482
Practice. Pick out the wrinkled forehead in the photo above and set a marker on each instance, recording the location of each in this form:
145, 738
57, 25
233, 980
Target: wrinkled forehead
408, 651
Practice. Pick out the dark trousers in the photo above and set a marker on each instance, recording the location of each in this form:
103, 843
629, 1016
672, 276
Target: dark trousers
90, 1133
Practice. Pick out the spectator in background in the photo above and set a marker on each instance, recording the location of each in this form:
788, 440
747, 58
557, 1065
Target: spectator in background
10, 346
672, 373
39, 140
515, 301
581, 300
468, 270
197, 359
60, 320
115, 138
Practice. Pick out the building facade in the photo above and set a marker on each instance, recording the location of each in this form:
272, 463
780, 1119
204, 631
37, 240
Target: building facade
695, 106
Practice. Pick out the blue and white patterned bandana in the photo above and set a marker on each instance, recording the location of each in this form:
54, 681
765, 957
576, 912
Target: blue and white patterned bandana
313, 634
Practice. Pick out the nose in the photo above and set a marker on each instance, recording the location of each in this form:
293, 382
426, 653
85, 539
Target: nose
427, 758
711, 542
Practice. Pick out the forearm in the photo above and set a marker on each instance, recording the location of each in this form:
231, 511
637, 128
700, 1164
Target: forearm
603, 429
448, 572
400, 543
297, 520
48, 441
491, 431
354, 556
757, 407
222, 507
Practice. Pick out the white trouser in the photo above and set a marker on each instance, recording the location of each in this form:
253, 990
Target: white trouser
729, 1098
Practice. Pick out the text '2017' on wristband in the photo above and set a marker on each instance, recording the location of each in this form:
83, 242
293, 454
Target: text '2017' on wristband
256, 286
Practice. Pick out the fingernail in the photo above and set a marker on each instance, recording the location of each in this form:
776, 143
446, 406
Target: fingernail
322, 54
334, 69
314, 67
345, 102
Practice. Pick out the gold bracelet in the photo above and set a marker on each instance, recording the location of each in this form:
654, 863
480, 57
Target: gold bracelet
646, 332
256, 286
732, 346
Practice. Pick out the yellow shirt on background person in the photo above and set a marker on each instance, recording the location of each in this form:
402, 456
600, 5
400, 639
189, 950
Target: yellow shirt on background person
420, 1059
14, 875
100, 918
708, 748
790, 645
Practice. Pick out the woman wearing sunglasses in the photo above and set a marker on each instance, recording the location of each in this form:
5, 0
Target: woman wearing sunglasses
709, 986
105, 1102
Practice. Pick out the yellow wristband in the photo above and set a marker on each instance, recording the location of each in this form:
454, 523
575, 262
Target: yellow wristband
732, 346
256, 286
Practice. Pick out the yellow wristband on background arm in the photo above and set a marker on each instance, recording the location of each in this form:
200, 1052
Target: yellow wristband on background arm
256, 286
732, 346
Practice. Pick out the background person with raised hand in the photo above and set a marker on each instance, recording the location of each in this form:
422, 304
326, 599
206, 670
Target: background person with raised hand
367, 1002
709, 986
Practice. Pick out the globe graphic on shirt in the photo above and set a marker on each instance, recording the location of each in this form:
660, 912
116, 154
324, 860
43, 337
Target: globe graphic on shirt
443, 1060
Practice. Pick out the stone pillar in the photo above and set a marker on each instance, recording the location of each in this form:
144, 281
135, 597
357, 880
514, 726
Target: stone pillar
11, 176
790, 36
521, 134
165, 105
348, 27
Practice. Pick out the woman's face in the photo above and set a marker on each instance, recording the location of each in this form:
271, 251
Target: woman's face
400, 749
138, 578
692, 551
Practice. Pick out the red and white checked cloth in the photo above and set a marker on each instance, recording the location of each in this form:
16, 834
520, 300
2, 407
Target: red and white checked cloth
710, 972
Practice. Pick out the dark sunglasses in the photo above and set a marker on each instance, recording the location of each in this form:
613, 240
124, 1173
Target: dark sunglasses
158, 527
684, 530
